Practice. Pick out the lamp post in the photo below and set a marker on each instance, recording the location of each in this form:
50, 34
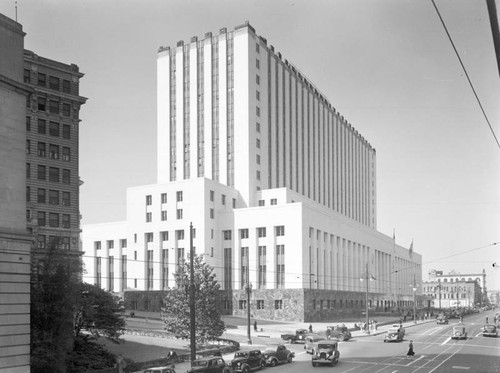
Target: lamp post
414, 287
192, 308
366, 276
248, 288
439, 287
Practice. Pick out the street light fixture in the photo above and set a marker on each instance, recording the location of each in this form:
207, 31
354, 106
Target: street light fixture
248, 289
414, 287
368, 277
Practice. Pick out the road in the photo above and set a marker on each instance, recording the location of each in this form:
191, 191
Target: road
435, 352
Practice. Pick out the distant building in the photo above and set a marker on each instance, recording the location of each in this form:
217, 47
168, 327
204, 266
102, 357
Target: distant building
15, 241
453, 294
454, 277
280, 188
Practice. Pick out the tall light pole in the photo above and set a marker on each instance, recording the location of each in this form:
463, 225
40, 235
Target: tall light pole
439, 287
191, 294
366, 276
414, 287
248, 289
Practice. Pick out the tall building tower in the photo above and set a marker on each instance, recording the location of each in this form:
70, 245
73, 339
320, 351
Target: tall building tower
52, 135
15, 241
279, 187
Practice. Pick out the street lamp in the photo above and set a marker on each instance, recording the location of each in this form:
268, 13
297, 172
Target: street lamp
366, 276
248, 289
439, 287
414, 287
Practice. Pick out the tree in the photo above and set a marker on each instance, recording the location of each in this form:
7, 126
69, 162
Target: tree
99, 313
176, 314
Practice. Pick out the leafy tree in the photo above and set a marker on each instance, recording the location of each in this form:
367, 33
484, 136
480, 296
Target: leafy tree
99, 313
176, 312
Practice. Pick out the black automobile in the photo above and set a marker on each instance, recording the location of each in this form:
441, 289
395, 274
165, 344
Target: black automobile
212, 364
247, 361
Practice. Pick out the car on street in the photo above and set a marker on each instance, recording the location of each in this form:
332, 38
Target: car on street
211, 364
458, 332
326, 353
247, 361
490, 330
442, 319
160, 370
299, 336
340, 332
395, 333
277, 354
311, 342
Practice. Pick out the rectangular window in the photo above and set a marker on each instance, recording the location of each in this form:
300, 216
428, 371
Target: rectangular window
66, 86
179, 213
28, 124
66, 198
261, 232
123, 243
53, 82
53, 151
149, 200
212, 213
244, 233
42, 104
274, 201
260, 304
28, 171
66, 109
42, 126
42, 80
257, 143
53, 197
149, 217
98, 269
28, 194
228, 268
212, 195
148, 237
223, 199
53, 107
164, 198
262, 267
42, 172
54, 174
150, 269
257, 127
164, 269
280, 230
242, 304
41, 195
66, 131
124, 268
278, 304
42, 149
257, 64
164, 215
110, 244
164, 236
234, 203
280, 266
66, 154
262, 202
179, 196
97, 245
26, 76
257, 111
179, 234
28, 146
257, 95
53, 220
258, 175
41, 218
226, 234
54, 129
257, 79
66, 176
65, 221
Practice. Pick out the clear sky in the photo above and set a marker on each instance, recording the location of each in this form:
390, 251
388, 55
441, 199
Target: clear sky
386, 65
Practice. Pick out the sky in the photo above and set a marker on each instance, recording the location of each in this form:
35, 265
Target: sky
386, 65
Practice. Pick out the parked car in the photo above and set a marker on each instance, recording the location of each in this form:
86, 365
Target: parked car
246, 361
299, 336
211, 364
311, 342
160, 370
490, 330
277, 354
340, 332
458, 332
326, 353
442, 319
395, 333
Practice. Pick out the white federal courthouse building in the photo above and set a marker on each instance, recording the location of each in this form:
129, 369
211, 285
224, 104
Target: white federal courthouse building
279, 187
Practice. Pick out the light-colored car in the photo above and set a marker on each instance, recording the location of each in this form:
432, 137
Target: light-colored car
326, 353
490, 330
458, 332
395, 333
311, 342
160, 370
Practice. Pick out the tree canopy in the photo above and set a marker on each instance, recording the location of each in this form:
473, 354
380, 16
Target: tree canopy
176, 312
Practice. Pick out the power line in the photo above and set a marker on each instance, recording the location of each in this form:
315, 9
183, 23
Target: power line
466, 74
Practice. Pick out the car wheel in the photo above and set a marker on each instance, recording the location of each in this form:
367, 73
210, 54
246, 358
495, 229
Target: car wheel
313, 352
314, 364
273, 362
245, 369
289, 358
385, 340
262, 364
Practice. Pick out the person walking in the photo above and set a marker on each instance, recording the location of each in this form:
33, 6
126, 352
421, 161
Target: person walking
410, 352
255, 325
310, 328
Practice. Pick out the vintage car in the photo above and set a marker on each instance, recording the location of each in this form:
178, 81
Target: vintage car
276, 354
160, 370
326, 353
442, 319
299, 336
211, 364
246, 361
340, 332
395, 333
458, 332
311, 342
490, 330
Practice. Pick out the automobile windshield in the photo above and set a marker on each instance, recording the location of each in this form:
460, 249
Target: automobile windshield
458, 329
326, 347
270, 350
241, 354
490, 328
393, 330
199, 363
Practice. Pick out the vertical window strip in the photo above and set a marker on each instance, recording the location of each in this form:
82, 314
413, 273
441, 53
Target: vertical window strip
172, 116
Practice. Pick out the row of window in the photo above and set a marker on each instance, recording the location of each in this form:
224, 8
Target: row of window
53, 197
54, 174
59, 242
53, 106
273, 201
50, 219
53, 82
278, 304
179, 198
449, 296
55, 129
52, 151
279, 230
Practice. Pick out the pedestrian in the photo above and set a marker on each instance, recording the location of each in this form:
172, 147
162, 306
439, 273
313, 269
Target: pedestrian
255, 325
410, 352
120, 363
486, 319
328, 332
310, 328
172, 357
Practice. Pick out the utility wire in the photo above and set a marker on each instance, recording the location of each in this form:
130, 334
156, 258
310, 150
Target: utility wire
466, 74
